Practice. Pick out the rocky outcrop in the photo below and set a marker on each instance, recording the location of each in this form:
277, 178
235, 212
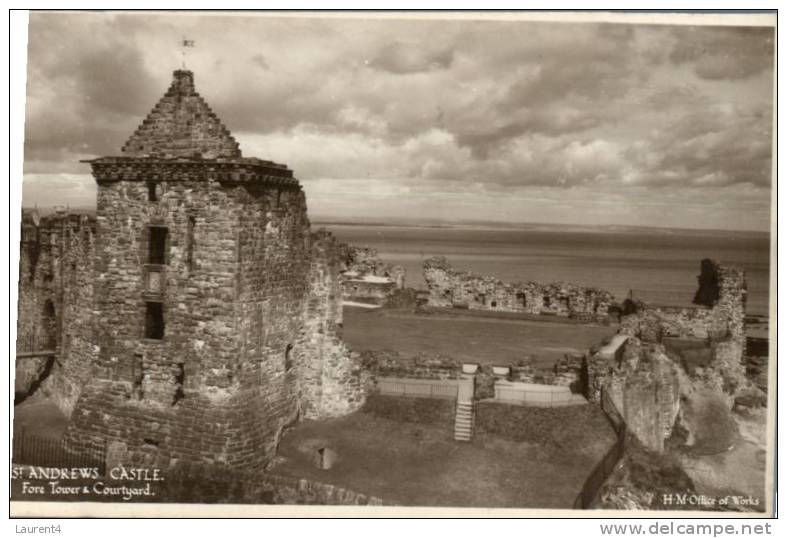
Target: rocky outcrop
681, 370
29, 373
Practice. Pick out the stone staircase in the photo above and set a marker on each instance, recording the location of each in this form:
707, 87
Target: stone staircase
464, 422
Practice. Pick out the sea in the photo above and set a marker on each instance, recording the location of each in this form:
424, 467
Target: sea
657, 265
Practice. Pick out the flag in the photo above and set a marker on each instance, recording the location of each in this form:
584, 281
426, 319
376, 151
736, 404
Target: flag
188, 42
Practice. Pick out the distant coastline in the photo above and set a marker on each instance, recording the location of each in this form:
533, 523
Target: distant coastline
536, 226
481, 225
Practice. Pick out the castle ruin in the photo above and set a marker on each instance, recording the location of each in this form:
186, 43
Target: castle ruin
670, 369
367, 279
459, 289
197, 315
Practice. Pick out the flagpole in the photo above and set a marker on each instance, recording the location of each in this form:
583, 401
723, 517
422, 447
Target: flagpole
184, 43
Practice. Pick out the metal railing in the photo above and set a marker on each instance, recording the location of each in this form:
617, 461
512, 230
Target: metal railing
36, 354
31, 449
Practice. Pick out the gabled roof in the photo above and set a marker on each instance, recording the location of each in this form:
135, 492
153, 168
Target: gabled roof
182, 125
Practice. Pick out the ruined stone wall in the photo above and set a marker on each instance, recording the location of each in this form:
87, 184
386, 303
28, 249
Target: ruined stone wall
366, 261
675, 357
720, 315
332, 381
55, 305
366, 278
367, 291
450, 288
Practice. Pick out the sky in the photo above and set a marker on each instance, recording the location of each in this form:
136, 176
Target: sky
459, 120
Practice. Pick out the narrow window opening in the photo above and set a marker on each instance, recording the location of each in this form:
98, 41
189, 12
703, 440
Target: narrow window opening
152, 195
190, 243
180, 377
137, 375
288, 358
157, 245
547, 301
521, 299
493, 304
154, 321
50, 325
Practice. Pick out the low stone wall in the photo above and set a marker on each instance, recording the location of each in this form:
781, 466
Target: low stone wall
536, 395
459, 289
217, 484
570, 371
388, 363
290, 490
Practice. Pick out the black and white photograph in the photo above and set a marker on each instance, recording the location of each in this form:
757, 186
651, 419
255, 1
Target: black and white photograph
467, 262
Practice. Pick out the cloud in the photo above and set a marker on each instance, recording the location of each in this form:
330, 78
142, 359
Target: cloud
724, 53
405, 58
49, 190
86, 84
425, 108
260, 61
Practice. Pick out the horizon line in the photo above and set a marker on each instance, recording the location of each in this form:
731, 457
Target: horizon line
437, 222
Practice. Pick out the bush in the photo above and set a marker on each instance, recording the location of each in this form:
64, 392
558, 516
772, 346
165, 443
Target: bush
659, 474
707, 416
402, 298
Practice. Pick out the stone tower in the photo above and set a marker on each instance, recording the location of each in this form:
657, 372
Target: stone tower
216, 310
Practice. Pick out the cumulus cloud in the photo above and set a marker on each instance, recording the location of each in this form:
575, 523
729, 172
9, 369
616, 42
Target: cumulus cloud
453, 109
402, 58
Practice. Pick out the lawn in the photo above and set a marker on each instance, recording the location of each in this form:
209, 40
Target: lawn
421, 465
470, 338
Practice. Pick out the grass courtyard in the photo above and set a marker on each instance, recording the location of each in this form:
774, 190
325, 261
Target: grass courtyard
481, 337
415, 464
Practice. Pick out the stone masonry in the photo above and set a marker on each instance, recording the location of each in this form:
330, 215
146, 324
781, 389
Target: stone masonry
673, 357
459, 289
368, 279
209, 314
55, 306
